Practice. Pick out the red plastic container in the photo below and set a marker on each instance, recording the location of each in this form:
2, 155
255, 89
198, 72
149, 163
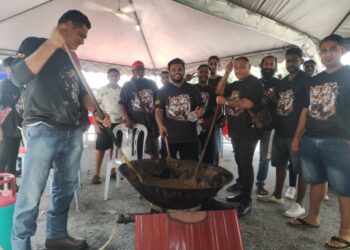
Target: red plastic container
218, 231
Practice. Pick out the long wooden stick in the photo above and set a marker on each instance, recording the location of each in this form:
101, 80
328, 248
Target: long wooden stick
99, 110
218, 107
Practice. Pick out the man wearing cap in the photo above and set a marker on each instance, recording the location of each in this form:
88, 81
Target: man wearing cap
137, 105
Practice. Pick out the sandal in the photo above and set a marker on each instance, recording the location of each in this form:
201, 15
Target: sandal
96, 180
339, 240
261, 191
301, 223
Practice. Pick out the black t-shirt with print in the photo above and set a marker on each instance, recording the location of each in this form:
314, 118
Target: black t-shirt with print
269, 85
177, 103
239, 121
208, 98
291, 99
140, 112
54, 95
214, 81
328, 101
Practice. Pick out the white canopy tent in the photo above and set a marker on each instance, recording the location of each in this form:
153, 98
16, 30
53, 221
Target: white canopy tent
190, 29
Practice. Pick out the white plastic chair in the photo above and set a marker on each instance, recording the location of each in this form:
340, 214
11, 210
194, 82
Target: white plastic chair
129, 148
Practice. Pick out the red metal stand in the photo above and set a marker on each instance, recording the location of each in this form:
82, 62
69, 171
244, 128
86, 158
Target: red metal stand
219, 231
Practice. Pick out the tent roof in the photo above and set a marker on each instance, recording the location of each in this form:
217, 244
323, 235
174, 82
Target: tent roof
190, 29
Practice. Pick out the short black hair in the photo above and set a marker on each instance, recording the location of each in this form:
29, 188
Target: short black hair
268, 56
7, 61
203, 66
176, 61
111, 70
214, 57
295, 51
164, 72
310, 62
242, 58
333, 37
76, 17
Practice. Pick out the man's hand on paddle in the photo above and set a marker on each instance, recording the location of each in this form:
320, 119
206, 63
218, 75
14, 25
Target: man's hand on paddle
105, 122
56, 37
163, 131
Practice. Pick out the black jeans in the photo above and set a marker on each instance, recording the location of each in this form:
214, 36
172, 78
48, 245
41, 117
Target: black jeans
9, 147
210, 150
187, 151
244, 147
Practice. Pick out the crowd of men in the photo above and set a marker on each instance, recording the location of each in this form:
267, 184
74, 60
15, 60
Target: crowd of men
309, 113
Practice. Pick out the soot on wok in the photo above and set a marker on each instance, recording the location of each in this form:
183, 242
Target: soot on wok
166, 182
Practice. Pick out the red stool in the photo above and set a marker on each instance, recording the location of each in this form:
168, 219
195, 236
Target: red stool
219, 230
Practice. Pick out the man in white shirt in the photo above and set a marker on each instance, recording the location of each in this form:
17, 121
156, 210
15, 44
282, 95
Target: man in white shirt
108, 98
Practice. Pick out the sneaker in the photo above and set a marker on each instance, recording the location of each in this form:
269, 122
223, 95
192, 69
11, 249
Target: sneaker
243, 209
270, 198
235, 188
295, 211
233, 198
290, 193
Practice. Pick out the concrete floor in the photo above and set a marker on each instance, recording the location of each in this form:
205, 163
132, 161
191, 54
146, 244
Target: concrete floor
264, 228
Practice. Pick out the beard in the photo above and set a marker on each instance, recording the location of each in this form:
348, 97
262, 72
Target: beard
176, 80
267, 74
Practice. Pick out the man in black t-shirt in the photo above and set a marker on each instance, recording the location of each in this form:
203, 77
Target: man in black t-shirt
325, 148
291, 96
164, 77
53, 126
137, 105
268, 67
10, 135
208, 97
239, 97
214, 64
178, 107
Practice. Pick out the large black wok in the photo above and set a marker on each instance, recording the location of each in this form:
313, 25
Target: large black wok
211, 180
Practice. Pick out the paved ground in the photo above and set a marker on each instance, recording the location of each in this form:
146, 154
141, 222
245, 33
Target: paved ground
263, 229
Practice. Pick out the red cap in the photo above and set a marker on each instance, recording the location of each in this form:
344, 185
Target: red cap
137, 64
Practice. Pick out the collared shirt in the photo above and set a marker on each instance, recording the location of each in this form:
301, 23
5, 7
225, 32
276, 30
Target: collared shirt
108, 98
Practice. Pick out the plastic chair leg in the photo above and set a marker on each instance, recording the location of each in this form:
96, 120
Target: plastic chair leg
110, 166
118, 178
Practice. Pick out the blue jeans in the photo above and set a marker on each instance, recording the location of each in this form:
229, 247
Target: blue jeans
46, 147
326, 160
264, 161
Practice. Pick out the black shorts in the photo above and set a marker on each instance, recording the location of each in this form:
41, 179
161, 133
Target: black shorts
104, 141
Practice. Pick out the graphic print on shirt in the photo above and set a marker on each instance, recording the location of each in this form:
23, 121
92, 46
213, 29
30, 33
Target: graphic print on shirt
205, 98
70, 80
285, 103
232, 111
179, 107
323, 100
147, 100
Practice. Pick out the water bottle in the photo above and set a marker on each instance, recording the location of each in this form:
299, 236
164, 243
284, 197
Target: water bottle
192, 117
